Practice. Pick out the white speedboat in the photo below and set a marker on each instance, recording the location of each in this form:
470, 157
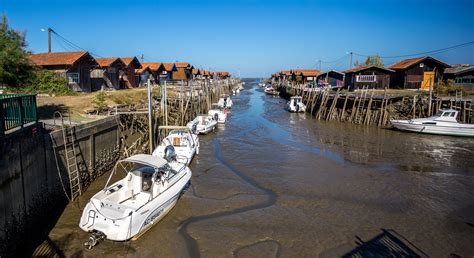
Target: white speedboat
218, 113
225, 101
296, 104
269, 90
202, 124
444, 123
126, 209
185, 143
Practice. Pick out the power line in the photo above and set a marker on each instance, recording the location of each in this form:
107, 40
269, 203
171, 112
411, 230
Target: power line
74, 45
334, 61
425, 53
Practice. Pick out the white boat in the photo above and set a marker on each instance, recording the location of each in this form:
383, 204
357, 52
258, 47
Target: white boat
202, 124
185, 143
296, 104
269, 90
218, 113
126, 209
444, 123
261, 84
225, 101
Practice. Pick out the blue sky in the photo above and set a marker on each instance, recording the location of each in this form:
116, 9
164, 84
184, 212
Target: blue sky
255, 37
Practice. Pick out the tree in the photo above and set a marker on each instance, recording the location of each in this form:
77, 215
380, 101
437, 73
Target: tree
375, 60
45, 81
15, 67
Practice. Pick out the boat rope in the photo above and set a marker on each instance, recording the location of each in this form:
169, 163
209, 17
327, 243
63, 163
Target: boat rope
57, 167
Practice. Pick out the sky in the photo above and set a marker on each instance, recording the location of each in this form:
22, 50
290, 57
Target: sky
255, 38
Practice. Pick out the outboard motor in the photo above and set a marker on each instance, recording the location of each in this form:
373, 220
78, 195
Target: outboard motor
216, 117
194, 128
170, 153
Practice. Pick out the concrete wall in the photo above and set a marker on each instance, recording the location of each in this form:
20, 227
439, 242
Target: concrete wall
31, 194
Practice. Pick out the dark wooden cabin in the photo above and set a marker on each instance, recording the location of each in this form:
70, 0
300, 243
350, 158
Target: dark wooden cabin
107, 75
167, 73
333, 78
183, 71
462, 75
417, 73
372, 76
156, 69
75, 66
303, 76
143, 74
127, 77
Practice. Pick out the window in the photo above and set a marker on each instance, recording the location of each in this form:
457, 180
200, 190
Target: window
73, 77
366, 78
447, 114
453, 114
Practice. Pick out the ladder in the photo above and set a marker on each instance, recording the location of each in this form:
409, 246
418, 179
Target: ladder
70, 155
71, 162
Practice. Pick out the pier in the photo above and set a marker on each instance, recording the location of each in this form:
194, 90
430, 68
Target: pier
374, 107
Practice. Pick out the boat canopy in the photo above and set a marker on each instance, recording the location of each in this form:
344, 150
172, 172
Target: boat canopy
448, 115
146, 160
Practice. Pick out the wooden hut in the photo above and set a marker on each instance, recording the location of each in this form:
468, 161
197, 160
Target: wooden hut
156, 69
143, 74
196, 74
417, 73
75, 66
304, 76
462, 75
371, 76
127, 77
107, 75
333, 78
183, 71
167, 73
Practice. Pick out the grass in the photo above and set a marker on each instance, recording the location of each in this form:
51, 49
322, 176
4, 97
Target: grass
78, 105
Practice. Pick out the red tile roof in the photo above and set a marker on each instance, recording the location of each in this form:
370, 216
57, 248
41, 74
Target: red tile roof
182, 65
129, 59
141, 70
361, 68
107, 61
168, 66
154, 66
306, 72
57, 58
406, 63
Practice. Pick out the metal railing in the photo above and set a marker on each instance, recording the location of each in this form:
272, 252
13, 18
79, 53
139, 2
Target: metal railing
16, 110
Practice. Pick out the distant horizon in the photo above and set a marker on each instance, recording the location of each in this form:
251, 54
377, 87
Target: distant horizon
252, 38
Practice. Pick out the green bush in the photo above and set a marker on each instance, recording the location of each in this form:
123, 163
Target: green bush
448, 88
48, 82
99, 100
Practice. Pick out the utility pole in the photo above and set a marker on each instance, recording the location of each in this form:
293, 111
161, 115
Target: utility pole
350, 64
142, 58
150, 117
49, 39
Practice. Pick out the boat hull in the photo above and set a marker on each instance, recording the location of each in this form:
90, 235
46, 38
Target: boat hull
133, 223
405, 125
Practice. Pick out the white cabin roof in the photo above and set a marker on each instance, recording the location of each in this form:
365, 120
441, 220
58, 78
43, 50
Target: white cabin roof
296, 97
147, 160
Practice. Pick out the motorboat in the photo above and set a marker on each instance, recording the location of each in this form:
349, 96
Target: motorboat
127, 208
296, 104
218, 113
184, 142
202, 124
269, 90
261, 84
225, 101
444, 122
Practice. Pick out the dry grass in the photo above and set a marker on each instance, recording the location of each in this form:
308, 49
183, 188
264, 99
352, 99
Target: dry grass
78, 105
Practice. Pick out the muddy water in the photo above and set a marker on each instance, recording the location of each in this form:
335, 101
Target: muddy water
270, 183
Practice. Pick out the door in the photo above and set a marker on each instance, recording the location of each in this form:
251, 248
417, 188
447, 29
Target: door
428, 81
